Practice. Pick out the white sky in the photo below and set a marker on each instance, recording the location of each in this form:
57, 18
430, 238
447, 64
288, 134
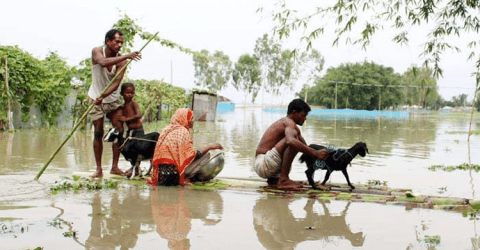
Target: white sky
73, 28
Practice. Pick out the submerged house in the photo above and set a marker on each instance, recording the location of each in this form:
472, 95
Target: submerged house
204, 105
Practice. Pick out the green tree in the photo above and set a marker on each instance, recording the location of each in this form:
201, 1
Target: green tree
356, 22
358, 86
246, 76
267, 52
423, 90
43, 83
310, 66
460, 100
151, 95
54, 88
212, 71
284, 72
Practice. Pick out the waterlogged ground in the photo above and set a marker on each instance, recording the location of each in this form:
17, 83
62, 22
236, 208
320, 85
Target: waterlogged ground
138, 217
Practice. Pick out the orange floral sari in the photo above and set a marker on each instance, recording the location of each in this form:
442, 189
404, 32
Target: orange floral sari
175, 145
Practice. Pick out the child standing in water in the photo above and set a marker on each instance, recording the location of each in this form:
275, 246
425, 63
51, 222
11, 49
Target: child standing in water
133, 118
131, 112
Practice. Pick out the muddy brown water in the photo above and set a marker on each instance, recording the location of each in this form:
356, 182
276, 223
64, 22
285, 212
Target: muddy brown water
138, 217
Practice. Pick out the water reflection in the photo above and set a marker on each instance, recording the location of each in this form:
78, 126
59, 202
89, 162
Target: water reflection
173, 210
278, 228
117, 223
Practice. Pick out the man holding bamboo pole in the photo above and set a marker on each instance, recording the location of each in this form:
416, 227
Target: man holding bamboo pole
106, 60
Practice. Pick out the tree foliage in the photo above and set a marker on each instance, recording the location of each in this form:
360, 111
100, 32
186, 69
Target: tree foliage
356, 22
364, 85
267, 52
151, 95
44, 83
423, 87
212, 71
246, 76
310, 66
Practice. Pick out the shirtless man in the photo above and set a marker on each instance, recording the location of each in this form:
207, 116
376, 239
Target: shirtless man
106, 60
280, 144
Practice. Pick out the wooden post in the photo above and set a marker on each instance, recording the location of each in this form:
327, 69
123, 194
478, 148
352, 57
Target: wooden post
84, 116
336, 83
7, 92
380, 99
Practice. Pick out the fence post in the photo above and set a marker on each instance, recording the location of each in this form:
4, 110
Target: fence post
336, 83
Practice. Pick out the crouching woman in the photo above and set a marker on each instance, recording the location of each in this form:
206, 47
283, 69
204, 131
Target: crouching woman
174, 152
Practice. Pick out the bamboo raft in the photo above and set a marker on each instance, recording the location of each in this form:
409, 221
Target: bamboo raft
361, 193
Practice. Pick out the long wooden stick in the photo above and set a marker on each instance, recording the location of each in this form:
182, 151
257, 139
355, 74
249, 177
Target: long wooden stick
86, 113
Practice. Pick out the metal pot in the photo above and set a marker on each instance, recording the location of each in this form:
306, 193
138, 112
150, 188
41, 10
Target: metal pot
211, 168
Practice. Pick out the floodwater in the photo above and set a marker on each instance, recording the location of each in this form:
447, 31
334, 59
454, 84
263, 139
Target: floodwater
136, 217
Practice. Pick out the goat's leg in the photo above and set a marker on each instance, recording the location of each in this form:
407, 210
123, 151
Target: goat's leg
129, 173
138, 170
327, 175
149, 168
310, 173
344, 171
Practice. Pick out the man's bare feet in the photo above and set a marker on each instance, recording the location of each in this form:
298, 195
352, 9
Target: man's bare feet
288, 185
117, 171
187, 182
272, 181
97, 174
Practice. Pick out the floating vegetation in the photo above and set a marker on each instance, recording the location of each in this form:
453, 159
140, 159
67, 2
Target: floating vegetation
442, 190
377, 183
70, 234
463, 166
80, 183
434, 240
473, 132
208, 185
14, 229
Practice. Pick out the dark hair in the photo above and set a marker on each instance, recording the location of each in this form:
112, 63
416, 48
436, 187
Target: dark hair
126, 85
111, 34
298, 105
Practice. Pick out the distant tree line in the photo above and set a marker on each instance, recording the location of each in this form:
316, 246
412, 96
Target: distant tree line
370, 86
269, 68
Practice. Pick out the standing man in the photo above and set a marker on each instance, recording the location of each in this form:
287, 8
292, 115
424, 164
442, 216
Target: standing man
280, 144
106, 60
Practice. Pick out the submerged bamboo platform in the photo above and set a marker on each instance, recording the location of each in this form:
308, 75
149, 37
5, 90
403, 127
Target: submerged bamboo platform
361, 193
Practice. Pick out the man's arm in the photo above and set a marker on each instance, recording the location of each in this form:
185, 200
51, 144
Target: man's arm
295, 140
98, 58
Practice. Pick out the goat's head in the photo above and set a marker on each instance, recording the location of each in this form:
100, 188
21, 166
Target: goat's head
361, 148
112, 135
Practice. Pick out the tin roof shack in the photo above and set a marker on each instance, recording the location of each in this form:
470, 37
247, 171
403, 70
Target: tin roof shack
204, 105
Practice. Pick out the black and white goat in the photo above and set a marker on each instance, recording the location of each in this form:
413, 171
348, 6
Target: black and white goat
135, 149
337, 160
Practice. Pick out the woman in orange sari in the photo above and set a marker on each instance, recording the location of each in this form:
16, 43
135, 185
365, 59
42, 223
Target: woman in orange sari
174, 151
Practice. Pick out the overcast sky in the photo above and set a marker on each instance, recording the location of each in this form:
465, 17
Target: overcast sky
73, 28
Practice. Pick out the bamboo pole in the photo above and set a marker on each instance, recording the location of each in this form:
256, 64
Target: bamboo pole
86, 113
471, 117
7, 92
